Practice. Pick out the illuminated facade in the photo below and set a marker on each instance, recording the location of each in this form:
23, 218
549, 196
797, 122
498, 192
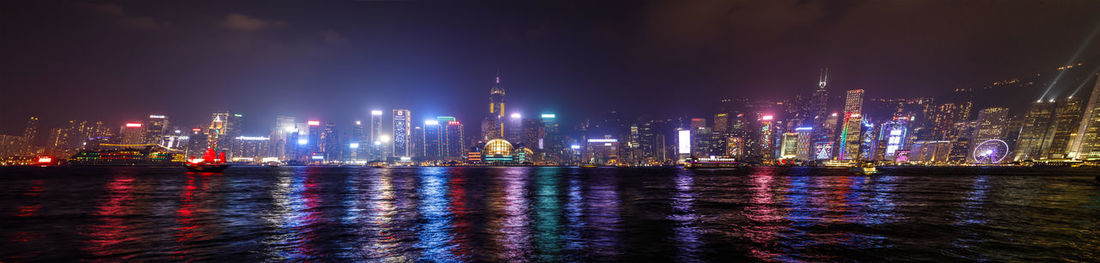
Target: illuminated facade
735, 147
132, 133
497, 151
851, 133
1087, 144
991, 124
493, 125
402, 131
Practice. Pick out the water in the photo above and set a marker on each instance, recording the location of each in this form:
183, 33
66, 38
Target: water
544, 214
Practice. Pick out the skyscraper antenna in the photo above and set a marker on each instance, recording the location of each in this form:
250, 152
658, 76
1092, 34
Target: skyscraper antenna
823, 79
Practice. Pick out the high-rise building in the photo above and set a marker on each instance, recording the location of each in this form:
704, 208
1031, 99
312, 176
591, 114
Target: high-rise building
280, 137
788, 147
893, 137
493, 125
432, 141
721, 123
514, 130
376, 149
818, 108
1086, 146
402, 129
851, 133
453, 139
943, 117
29, 135
991, 125
1066, 122
156, 126
766, 136
132, 133
330, 145
553, 143
1033, 132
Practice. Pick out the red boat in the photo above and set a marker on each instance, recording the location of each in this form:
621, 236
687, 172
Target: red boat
211, 162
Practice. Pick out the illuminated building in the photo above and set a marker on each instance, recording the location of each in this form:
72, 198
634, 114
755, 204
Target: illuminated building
376, 151
683, 143
250, 149
701, 141
493, 125
358, 138
929, 152
417, 144
432, 141
514, 129
1087, 144
697, 123
329, 143
156, 126
11, 145
851, 132
735, 147
944, 116
804, 152
823, 150
280, 141
453, 140
30, 132
532, 137
1066, 121
553, 144
818, 107
1033, 133
893, 135
767, 131
523, 155
132, 133
788, 148
721, 123
990, 125
603, 151
497, 151
402, 127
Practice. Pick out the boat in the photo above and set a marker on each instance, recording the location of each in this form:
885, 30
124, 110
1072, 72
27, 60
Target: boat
211, 162
711, 162
867, 168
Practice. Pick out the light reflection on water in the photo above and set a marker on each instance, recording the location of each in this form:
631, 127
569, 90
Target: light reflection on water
544, 214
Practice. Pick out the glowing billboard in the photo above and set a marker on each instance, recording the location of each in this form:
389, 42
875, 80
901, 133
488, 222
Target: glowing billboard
684, 141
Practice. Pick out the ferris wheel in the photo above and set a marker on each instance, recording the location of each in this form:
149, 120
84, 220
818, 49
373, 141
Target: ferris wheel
990, 152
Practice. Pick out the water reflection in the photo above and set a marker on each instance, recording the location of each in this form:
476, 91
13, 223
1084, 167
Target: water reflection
686, 231
524, 214
509, 222
435, 231
111, 234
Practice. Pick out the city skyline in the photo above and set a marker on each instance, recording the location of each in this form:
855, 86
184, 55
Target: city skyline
604, 59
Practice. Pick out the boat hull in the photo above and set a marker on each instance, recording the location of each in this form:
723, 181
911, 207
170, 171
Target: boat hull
210, 168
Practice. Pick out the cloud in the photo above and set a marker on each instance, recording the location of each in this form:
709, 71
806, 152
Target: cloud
332, 37
242, 22
119, 16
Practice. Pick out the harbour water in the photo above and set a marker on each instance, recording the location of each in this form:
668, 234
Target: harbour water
545, 214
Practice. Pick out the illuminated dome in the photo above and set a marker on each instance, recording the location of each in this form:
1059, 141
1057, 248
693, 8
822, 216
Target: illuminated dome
498, 147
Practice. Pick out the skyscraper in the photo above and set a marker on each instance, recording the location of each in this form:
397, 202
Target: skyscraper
402, 129
851, 133
818, 107
493, 126
1087, 144
432, 140
514, 128
29, 134
375, 141
1033, 133
990, 125
453, 139
155, 128
1066, 121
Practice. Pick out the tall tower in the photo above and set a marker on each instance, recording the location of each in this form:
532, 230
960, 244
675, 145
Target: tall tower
375, 134
851, 132
1087, 143
819, 104
29, 133
402, 129
493, 125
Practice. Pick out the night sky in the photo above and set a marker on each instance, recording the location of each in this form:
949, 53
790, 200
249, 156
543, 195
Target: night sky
336, 60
